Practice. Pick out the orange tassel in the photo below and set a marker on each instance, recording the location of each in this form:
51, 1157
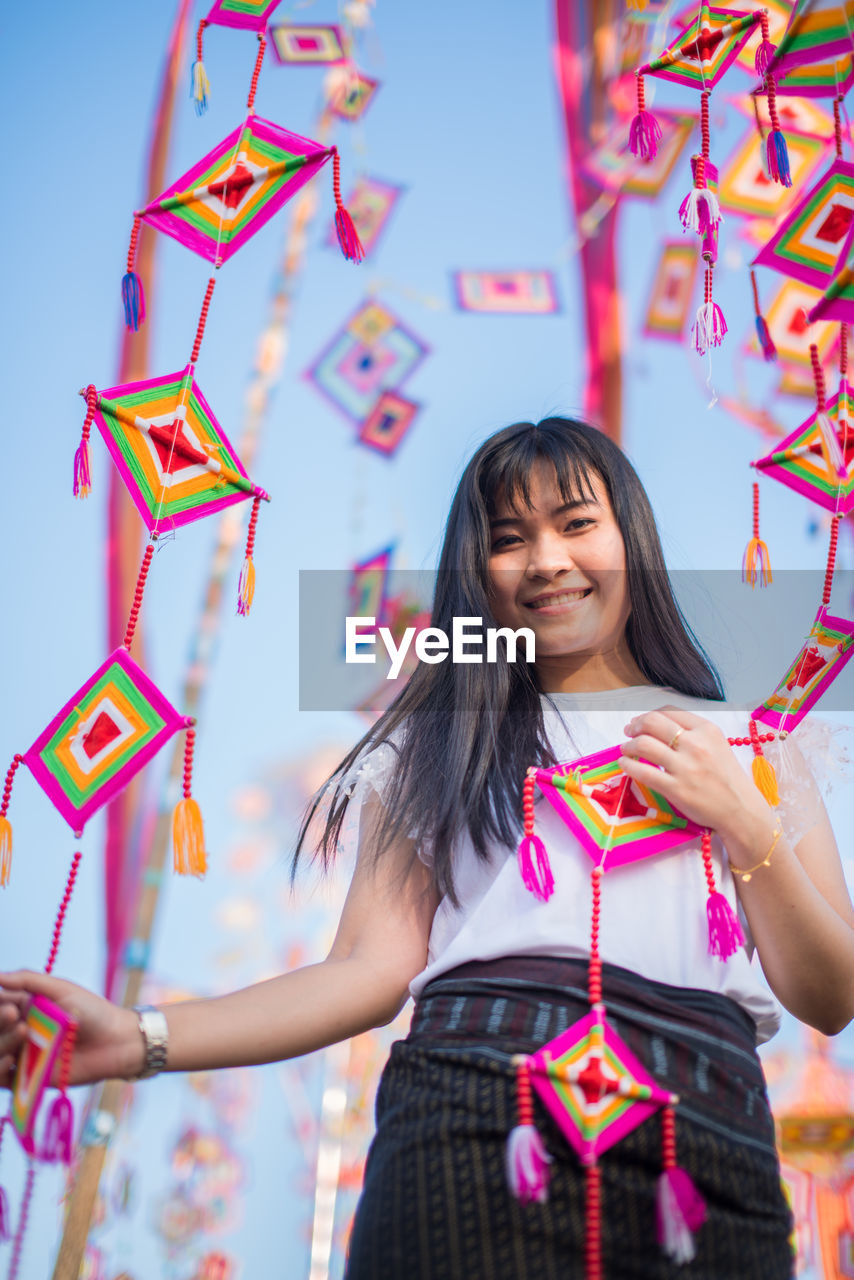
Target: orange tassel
5, 850
188, 838
766, 779
246, 587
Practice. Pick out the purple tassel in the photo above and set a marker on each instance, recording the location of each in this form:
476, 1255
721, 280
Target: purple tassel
82, 476
535, 868
57, 1135
134, 300
527, 1163
644, 136
348, 236
725, 932
5, 1226
680, 1211
766, 342
764, 54
777, 155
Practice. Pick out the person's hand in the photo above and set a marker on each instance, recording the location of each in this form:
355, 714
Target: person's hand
698, 771
108, 1044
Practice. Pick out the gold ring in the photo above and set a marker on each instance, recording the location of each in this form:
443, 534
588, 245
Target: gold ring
675, 738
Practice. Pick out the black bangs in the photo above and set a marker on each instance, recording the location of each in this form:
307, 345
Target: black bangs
506, 473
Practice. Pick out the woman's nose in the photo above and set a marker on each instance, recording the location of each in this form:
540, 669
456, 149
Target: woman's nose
548, 557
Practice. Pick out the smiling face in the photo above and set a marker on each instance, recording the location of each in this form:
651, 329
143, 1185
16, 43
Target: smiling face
558, 567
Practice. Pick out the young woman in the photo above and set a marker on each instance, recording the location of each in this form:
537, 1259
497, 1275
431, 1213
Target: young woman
550, 529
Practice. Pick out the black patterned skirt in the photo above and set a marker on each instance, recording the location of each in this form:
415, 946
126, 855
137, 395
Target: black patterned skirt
435, 1203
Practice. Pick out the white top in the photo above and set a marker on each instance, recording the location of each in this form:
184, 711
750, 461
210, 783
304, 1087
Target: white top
653, 918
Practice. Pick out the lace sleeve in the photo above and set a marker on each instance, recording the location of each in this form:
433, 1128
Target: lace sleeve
373, 773
808, 764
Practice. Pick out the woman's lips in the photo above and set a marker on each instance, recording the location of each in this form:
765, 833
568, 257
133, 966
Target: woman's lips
558, 602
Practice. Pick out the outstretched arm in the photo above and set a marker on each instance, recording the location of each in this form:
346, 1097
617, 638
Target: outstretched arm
380, 945
798, 906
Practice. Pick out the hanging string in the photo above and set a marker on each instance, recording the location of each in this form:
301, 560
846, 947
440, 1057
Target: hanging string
137, 596
18, 1244
60, 915
203, 319
831, 561
837, 126
253, 88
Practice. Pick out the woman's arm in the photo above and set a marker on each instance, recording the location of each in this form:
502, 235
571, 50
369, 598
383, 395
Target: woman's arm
380, 945
798, 907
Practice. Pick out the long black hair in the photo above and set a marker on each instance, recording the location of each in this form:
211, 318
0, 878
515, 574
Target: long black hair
465, 733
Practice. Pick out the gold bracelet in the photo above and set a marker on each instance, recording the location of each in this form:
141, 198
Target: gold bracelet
766, 861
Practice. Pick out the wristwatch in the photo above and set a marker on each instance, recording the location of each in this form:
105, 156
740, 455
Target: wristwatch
155, 1035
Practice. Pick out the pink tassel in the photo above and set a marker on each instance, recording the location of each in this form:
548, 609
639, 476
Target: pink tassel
56, 1144
764, 54
535, 868
700, 211
645, 131
766, 49
5, 1227
680, 1211
527, 1165
348, 236
82, 475
725, 932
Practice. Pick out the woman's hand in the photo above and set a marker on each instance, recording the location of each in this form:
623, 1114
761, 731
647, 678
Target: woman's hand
108, 1044
699, 773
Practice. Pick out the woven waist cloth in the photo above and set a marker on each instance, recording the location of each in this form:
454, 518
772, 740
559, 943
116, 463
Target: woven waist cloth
435, 1203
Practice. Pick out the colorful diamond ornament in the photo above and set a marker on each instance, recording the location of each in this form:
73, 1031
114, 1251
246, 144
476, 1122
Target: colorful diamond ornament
103, 735
593, 1086
809, 243
819, 661
617, 819
173, 455
802, 462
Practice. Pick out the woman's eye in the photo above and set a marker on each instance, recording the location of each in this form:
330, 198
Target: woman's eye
580, 523
507, 540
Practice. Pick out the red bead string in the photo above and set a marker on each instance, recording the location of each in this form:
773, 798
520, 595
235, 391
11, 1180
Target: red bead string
843, 350
528, 802
593, 1225
754, 739
594, 984
18, 1244
837, 126
137, 596
818, 378
831, 560
748, 741
189, 748
705, 133
756, 308
641, 94
60, 915
134, 237
764, 25
253, 88
250, 542
91, 395
69, 1040
706, 842
203, 319
771, 91
524, 1101
336, 178
17, 761
199, 33
756, 508
668, 1138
